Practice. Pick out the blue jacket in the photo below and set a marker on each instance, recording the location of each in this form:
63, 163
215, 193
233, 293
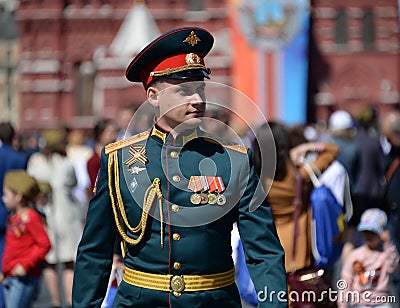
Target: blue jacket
10, 159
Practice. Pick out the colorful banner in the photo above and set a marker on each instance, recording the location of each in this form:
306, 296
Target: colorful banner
270, 65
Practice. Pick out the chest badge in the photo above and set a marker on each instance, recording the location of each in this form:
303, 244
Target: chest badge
136, 169
138, 154
134, 184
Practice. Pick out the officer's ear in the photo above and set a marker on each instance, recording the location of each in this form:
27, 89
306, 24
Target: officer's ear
152, 96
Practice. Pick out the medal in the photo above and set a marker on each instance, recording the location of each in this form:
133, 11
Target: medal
194, 184
195, 198
212, 199
203, 198
221, 199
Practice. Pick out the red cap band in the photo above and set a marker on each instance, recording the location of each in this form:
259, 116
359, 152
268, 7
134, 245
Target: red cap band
170, 65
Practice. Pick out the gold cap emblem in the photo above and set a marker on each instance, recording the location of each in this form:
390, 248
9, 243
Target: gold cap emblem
192, 39
192, 58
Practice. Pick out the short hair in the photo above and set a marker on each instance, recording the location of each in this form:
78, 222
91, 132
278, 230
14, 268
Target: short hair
7, 133
99, 128
157, 81
395, 124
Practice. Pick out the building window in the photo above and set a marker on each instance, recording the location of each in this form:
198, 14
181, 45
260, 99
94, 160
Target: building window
85, 74
195, 5
341, 27
368, 30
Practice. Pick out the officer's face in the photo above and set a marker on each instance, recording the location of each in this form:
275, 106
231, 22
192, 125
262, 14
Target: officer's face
179, 102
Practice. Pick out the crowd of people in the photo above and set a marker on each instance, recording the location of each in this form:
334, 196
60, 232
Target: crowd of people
64, 163
366, 145
69, 200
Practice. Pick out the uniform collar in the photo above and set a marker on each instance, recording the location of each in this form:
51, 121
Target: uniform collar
164, 136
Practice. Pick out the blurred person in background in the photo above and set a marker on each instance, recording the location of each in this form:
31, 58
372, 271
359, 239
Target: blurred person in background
10, 159
105, 132
125, 115
33, 144
63, 215
342, 133
282, 191
26, 243
18, 142
371, 176
367, 268
390, 128
79, 153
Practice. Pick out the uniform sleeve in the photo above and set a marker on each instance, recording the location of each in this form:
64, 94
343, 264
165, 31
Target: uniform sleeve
263, 250
95, 251
323, 160
38, 251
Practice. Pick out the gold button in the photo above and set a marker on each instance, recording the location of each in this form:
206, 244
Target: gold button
177, 265
176, 236
176, 178
175, 208
174, 154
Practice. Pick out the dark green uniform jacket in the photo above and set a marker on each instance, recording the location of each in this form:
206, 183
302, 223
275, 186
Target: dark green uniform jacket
189, 239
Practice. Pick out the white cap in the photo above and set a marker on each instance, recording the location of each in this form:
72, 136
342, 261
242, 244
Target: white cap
340, 120
373, 220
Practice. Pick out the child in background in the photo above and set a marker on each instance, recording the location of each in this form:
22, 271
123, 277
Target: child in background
26, 243
366, 270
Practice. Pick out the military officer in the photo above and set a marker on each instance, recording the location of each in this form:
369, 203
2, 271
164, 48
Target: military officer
173, 194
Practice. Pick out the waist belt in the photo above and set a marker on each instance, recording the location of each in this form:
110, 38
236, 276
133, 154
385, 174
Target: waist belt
177, 284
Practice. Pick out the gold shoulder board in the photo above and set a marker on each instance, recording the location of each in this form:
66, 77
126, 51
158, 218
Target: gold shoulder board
226, 143
115, 146
236, 147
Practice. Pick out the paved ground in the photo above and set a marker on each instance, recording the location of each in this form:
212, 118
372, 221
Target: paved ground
43, 299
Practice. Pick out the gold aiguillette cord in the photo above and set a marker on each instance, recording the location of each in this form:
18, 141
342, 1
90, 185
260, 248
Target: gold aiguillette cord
119, 209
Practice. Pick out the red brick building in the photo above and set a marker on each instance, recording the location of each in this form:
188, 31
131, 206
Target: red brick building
69, 75
354, 56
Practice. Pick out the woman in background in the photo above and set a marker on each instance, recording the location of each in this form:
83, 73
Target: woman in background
282, 192
105, 132
63, 213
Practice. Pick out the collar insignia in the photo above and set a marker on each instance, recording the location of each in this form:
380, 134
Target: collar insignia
156, 132
192, 136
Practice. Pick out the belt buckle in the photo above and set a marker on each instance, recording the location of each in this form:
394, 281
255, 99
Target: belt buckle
177, 285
